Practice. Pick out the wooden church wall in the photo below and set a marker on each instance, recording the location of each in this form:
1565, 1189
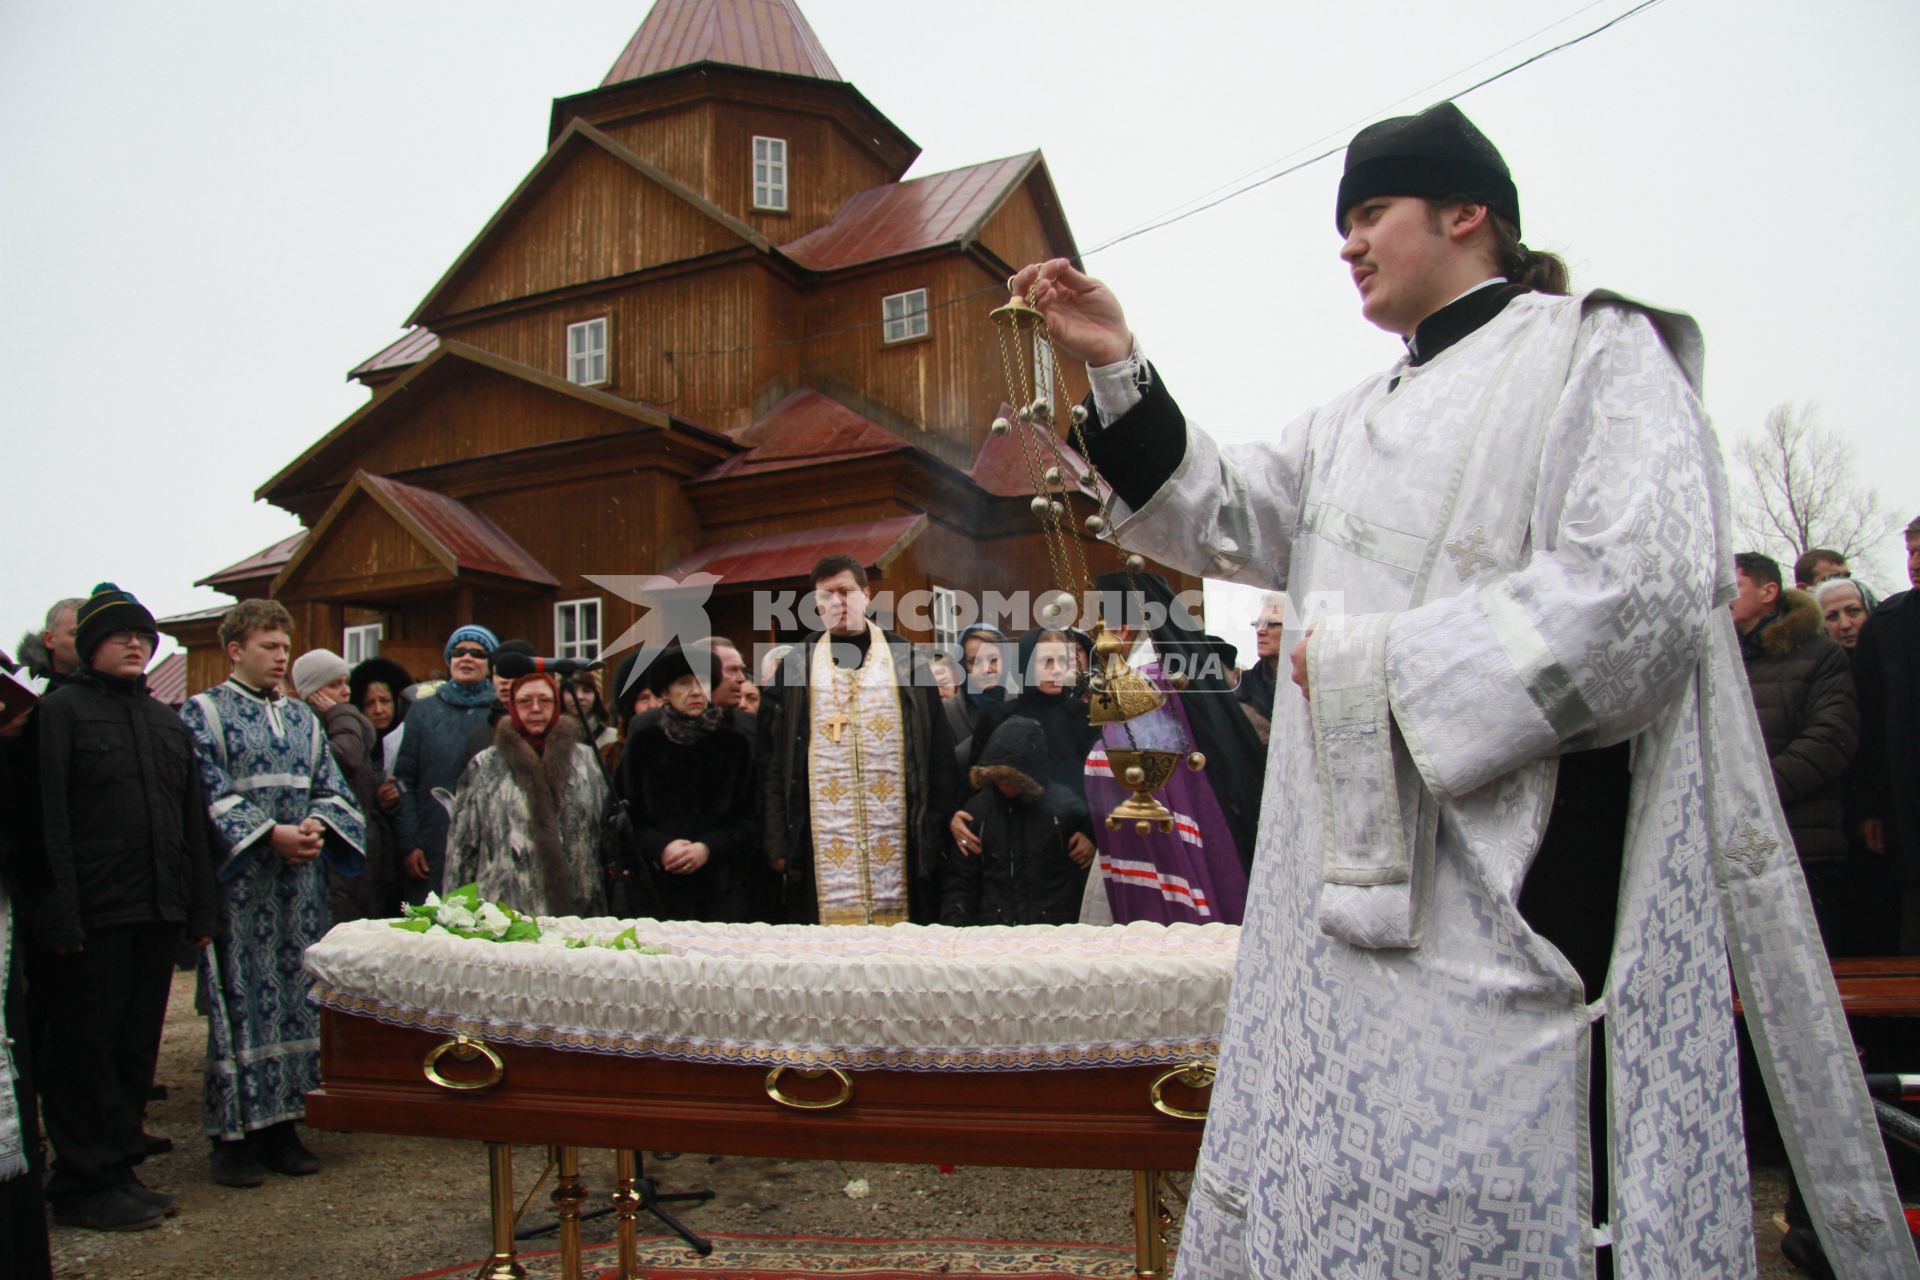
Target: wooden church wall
474, 413
824, 169
691, 315
596, 217
678, 141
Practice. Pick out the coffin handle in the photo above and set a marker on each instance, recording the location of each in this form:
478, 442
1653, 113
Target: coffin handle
840, 1098
464, 1049
1194, 1075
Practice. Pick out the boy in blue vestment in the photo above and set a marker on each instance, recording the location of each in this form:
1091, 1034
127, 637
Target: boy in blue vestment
280, 805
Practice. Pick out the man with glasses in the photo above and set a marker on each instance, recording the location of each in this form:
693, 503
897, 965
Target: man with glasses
435, 750
126, 842
1257, 682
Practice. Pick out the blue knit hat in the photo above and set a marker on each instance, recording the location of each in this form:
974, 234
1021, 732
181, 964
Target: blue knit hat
476, 633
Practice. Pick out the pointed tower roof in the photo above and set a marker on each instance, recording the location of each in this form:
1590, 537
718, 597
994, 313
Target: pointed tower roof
766, 35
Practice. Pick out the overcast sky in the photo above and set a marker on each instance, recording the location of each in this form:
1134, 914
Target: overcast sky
212, 211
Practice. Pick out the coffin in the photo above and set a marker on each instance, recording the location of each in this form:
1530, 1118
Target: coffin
1051, 1046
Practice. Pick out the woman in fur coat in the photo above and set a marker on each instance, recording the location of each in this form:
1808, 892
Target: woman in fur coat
526, 817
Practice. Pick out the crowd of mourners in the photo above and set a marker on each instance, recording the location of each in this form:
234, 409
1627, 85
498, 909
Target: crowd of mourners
847, 777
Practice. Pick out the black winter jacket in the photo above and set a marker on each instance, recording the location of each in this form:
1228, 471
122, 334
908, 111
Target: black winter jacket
374, 893
1022, 874
1887, 665
123, 816
1803, 693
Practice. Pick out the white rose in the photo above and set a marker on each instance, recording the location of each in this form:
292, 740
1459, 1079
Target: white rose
858, 1189
454, 916
493, 919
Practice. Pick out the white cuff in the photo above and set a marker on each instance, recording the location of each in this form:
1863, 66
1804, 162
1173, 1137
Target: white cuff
1119, 386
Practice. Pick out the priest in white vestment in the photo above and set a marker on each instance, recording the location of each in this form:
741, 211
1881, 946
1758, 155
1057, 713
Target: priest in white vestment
1481, 1022
861, 777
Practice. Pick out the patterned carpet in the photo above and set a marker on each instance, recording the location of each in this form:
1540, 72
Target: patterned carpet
742, 1257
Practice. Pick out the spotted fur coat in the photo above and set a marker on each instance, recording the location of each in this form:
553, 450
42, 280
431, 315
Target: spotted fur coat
526, 826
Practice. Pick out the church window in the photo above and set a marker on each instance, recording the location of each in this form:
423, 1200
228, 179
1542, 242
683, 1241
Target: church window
904, 315
361, 643
576, 629
770, 173
587, 352
946, 622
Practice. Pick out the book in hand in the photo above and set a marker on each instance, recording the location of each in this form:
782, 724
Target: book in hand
19, 694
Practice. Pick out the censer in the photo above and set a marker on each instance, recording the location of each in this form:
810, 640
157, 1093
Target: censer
1117, 693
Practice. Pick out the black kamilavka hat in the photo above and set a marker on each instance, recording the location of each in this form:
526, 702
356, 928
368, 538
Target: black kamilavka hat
1436, 153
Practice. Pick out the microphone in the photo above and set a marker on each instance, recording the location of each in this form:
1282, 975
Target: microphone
515, 665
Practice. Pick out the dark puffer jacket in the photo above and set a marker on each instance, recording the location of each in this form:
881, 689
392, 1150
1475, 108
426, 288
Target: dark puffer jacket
1803, 692
375, 892
125, 820
1022, 874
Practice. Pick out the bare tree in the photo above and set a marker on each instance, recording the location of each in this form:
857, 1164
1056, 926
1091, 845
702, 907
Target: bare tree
1801, 489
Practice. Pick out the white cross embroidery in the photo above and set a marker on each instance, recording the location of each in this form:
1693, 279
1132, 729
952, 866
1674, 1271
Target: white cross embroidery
1470, 555
1856, 1224
1751, 847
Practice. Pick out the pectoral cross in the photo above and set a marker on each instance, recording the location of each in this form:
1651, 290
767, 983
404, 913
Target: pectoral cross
836, 725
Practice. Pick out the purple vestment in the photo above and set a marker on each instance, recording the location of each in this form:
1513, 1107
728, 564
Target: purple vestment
1191, 875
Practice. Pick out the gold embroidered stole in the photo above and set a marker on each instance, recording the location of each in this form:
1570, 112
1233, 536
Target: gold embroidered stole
856, 768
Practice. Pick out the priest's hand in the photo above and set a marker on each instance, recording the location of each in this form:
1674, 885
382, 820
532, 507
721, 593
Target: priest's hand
963, 836
415, 864
295, 845
1083, 317
1081, 849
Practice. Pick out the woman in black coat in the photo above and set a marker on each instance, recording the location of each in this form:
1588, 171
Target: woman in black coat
689, 785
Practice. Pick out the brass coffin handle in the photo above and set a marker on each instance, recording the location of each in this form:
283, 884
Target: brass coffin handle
464, 1049
1194, 1075
803, 1104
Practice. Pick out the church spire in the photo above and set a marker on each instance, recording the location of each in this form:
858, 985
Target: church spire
766, 35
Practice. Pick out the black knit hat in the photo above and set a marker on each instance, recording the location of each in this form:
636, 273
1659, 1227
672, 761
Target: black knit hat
1436, 153
107, 610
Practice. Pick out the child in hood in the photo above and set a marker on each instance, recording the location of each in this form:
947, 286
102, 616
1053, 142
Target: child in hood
1023, 873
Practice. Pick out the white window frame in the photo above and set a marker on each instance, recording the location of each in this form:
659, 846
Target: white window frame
946, 623
770, 173
903, 316
585, 626
589, 362
357, 644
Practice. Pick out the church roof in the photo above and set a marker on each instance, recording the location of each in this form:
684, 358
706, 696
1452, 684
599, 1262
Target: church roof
412, 347
783, 557
464, 536
905, 217
804, 428
765, 35
261, 564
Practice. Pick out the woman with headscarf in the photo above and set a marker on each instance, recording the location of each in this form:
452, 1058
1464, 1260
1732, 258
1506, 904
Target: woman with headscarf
689, 784
1874, 917
1198, 872
527, 818
382, 689
430, 759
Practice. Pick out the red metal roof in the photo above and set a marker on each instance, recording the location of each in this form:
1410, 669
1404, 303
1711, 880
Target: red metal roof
805, 427
767, 35
413, 347
261, 564
780, 557
470, 539
1002, 468
904, 217
167, 680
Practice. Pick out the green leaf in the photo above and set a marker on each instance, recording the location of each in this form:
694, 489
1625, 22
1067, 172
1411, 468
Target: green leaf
418, 924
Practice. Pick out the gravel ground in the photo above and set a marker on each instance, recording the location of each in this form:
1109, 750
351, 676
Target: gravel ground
383, 1206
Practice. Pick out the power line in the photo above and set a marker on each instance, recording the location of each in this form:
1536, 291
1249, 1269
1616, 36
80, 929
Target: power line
1235, 192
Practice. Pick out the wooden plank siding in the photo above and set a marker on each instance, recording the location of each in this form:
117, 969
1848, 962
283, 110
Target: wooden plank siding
679, 140
594, 217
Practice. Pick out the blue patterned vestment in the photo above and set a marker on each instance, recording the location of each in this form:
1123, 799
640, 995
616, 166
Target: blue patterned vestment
266, 761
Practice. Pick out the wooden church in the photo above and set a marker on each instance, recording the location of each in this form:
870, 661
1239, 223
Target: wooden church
714, 330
